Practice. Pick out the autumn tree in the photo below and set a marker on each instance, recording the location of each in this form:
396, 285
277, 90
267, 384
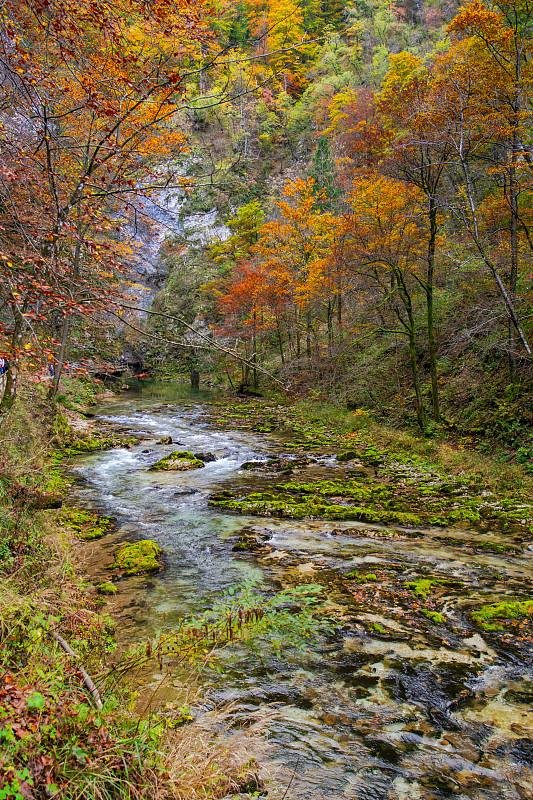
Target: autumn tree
499, 38
387, 230
90, 97
463, 102
418, 152
296, 249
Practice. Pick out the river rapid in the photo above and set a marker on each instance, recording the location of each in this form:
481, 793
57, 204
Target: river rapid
383, 708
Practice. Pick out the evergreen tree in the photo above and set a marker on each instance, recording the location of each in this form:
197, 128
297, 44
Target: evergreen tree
325, 176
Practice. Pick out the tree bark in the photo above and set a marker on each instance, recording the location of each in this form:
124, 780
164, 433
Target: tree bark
411, 333
429, 301
513, 277
10, 391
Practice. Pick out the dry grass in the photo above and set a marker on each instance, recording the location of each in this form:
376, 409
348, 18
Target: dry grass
455, 459
209, 758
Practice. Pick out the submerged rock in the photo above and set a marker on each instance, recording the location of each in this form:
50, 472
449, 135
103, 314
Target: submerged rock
347, 455
179, 461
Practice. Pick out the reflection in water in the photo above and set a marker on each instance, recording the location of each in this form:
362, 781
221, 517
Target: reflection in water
403, 714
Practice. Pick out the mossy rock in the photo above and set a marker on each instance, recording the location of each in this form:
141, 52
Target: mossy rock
423, 586
496, 547
268, 504
137, 559
107, 588
87, 526
434, 616
354, 575
347, 455
92, 444
501, 611
178, 461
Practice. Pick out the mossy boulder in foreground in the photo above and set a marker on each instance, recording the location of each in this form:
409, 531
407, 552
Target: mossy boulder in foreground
179, 460
84, 524
137, 559
107, 588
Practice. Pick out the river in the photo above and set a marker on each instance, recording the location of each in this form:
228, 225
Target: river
382, 708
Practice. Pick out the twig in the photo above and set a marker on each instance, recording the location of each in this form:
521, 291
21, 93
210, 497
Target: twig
86, 678
292, 778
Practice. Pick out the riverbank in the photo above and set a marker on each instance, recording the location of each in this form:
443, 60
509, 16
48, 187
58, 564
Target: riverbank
393, 623
70, 727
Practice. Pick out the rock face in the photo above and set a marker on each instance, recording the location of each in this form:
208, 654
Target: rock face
179, 461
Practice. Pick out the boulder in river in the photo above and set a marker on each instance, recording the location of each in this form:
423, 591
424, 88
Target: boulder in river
165, 440
179, 461
205, 457
347, 455
107, 588
136, 559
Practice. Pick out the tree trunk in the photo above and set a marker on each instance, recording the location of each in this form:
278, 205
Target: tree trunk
280, 342
330, 329
194, 373
513, 277
430, 317
410, 329
254, 356
60, 360
474, 232
11, 383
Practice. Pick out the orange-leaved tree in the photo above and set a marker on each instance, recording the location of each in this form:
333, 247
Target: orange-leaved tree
296, 249
498, 37
90, 98
418, 152
386, 232
464, 103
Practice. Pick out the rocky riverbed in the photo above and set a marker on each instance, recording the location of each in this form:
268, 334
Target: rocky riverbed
420, 682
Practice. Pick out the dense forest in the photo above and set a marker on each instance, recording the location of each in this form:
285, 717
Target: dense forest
230, 220
349, 186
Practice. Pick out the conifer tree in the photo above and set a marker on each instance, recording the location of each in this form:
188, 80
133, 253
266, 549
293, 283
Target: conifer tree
324, 175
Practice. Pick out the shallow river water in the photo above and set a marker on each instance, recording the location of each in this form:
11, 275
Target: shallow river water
382, 709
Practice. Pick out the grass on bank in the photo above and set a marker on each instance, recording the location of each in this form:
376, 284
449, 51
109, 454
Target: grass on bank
454, 455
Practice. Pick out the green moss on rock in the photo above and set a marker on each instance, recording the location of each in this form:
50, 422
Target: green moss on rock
284, 504
107, 588
136, 559
421, 588
86, 525
92, 444
179, 461
434, 616
354, 575
347, 455
500, 611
